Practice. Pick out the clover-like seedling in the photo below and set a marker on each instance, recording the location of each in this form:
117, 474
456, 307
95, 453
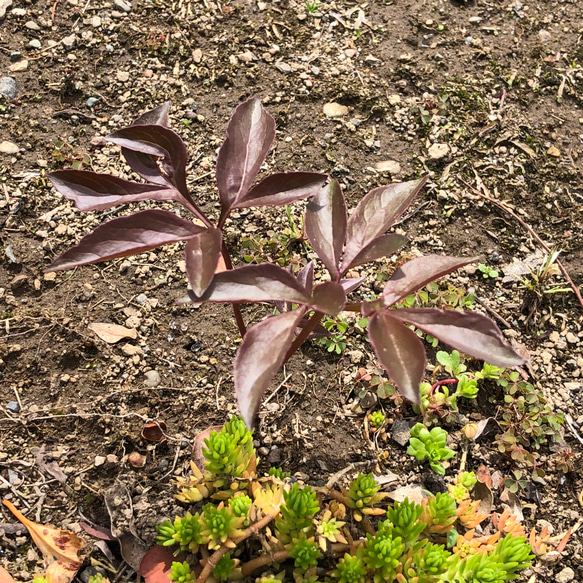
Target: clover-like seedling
430, 445
341, 242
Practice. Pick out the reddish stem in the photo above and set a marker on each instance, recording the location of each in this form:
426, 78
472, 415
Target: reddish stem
236, 308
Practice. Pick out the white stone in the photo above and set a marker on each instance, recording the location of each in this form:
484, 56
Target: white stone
19, 66
152, 379
99, 460
564, 576
122, 76
4, 5
9, 148
334, 109
438, 151
391, 166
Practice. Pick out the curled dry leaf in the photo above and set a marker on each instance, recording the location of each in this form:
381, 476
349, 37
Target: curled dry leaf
157, 565
5, 576
197, 456
154, 431
112, 333
60, 548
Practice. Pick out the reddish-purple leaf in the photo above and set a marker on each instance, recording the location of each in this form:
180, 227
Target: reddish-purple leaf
306, 276
400, 351
93, 192
282, 188
375, 214
252, 283
382, 246
156, 565
468, 332
351, 283
419, 272
125, 236
259, 357
250, 133
160, 116
329, 297
325, 225
202, 254
142, 144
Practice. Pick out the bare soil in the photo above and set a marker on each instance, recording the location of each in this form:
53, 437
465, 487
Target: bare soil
484, 96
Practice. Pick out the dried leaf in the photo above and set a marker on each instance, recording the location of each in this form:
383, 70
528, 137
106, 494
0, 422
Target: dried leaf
112, 333
483, 476
157, 565
5, 576
483, 493
60, 548
154, 431
414, 493
100, 532
51, 468
197, 456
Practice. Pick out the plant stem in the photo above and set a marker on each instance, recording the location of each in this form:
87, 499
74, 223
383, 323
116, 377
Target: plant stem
263, 561
212, 561
236, 308
301, 337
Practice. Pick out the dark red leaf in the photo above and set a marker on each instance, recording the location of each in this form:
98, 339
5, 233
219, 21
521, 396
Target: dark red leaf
259, 357
325, 225
329, 297
400, 351
375, 214
157, 564
100, 532
469, 332
382, 246
282, 188
125, 236
252, 283
250, 133
419, 272
351, 283
93, 192
202, 254
306, 277
142, 144
157, 116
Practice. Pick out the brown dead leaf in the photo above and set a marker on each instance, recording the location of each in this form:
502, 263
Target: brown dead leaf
5, 576
483, 475
197, 456
154, 431
112, 333
482, 492
60, 548
51, 468
514, 504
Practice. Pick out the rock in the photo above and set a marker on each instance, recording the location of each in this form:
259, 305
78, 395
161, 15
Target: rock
544, 36
69, 41
19, 12
99, 460
401, 431
334, 109
394, 99
247, 56
390, 166
554, 152
122, 76
8, 148
152, 378
13, 407
131, 350
32, 25
4, 5
564, 576
438, 151
96, 21
123, 5
15, 56
475, 19
19, 66
8, 87
356, 356
197, 55
350, 53
142, 299
283, 67
35, 44
18, 281
571, 338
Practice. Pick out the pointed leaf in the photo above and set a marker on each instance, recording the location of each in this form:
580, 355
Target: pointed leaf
202, 254
382, 246
329, 297
325, 225
469, 332
306, 276
375, 214
142, 144
259, 357
250, 133
125, 236
351, 283
252, 283
157, 116
282, 188
5, 576
419, 272
94, 192
400, 351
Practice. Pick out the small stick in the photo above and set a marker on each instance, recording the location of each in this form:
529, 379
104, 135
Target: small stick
254, 564
531, 231
277, 389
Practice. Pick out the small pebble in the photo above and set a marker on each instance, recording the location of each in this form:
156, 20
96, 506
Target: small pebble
35, 43
438, 151
123, 5
32, 25
334, 109
8, 87
92, 101
564, 576
99, 460
152, 378
13, 407
4, 4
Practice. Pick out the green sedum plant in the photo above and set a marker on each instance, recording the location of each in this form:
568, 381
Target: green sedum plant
341, 242
430, 445
309, 530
